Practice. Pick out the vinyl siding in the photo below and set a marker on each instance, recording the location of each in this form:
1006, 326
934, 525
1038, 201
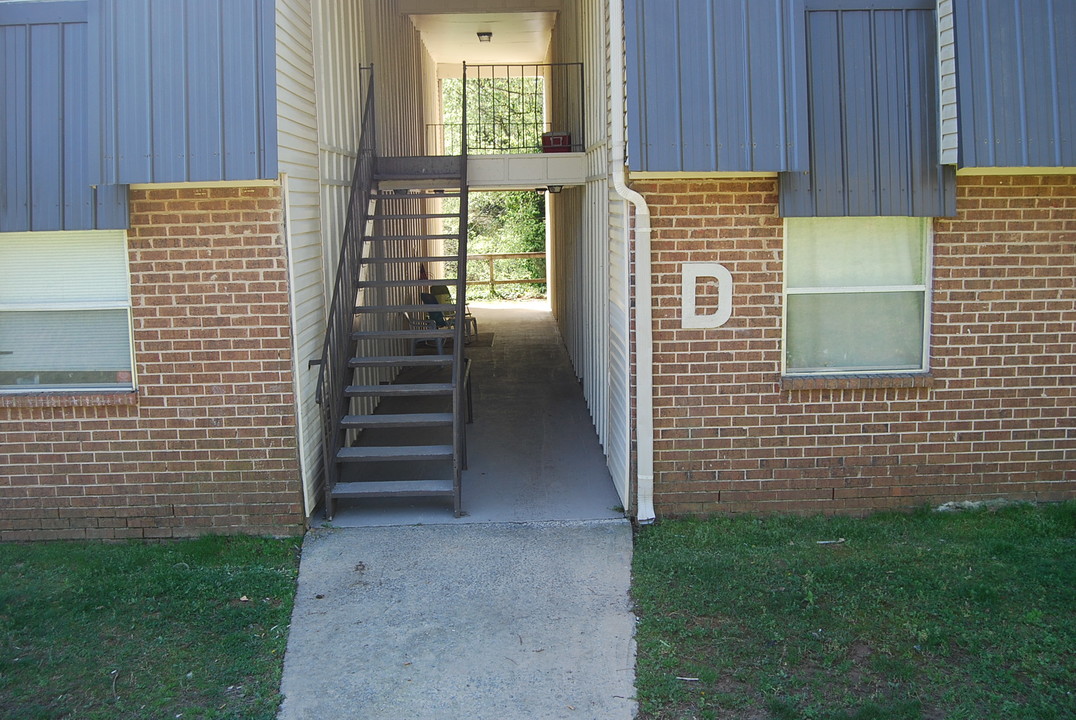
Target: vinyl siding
617, 236
339, 40
589, 288
401, 64
949, 139
298, 152
321, 45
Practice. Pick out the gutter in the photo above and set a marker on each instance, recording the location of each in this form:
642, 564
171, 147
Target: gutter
644, 318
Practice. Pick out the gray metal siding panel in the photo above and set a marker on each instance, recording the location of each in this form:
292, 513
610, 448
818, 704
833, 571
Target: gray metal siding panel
205, 78
768, 90
1016, 89
731, 94
14, 130
932, 186
661, 97
42, 13
130, 65
861, 160
892, 171
873, 113
111, 207
46, 127
713, 85
268, 147
45, 153
241, 87
194, 90
636, 118
78, 205
696, 88
166, 149
1065, 83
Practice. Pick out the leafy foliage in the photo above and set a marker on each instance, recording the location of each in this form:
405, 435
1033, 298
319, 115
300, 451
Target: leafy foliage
504, 222
504, 115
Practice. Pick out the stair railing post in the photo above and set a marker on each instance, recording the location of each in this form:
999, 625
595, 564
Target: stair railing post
459, 426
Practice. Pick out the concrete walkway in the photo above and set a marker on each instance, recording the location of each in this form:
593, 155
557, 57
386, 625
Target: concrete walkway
520, 609
533, 451
481, 621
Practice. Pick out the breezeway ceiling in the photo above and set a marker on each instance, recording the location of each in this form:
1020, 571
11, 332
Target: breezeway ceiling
518, 37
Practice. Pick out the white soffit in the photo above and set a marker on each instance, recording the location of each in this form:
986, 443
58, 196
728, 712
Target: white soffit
518, 37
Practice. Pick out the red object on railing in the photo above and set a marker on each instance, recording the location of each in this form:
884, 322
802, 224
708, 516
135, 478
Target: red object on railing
556, 142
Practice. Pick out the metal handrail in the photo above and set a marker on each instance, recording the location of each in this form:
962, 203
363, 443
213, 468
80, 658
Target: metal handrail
495, 127
334, 370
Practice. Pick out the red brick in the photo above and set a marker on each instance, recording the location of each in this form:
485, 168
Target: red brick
986, 423
119, 466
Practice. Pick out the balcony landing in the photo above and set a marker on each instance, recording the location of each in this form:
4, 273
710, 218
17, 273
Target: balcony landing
526, 172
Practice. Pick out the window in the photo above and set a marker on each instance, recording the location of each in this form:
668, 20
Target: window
856, 295
65, 311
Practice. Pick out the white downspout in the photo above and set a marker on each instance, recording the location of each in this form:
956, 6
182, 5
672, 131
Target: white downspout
644, 333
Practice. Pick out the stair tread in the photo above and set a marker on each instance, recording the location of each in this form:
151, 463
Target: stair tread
416, 176
400, 389
414, 195
395, 452
425, 183
412, 216
390, 360
398, 420
430, 307
389, 488
441, 236
426, 258
402, 334
421, 282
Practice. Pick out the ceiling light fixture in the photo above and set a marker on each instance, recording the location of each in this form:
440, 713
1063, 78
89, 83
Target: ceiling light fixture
485, 37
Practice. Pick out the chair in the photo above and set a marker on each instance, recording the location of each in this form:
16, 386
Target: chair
417, 322
442, 296
447, 318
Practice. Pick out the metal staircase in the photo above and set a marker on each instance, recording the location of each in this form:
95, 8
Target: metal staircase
394, 408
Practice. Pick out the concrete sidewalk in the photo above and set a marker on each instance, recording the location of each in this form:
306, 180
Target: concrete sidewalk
497, 621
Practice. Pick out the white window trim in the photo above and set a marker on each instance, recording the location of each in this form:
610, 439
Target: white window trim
926, 288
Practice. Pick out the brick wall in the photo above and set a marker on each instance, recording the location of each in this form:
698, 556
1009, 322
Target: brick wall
995, 418
208, 442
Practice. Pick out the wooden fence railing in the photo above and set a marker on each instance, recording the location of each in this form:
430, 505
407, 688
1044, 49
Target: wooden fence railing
492, 281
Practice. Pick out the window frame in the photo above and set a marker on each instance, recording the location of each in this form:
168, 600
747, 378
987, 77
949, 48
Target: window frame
926, 272
77, 306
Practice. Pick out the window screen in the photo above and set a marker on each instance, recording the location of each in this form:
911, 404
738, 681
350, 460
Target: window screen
65, 311
856, 295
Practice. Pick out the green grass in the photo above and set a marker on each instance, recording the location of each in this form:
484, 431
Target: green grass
925, 616
144, 630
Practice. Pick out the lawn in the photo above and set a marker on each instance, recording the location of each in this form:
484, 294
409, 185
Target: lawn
899, 616
189, 629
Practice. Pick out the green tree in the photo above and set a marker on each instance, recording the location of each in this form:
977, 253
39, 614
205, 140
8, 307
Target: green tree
504, 115
505, 222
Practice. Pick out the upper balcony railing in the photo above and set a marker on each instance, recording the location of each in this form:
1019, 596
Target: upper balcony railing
511, 109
